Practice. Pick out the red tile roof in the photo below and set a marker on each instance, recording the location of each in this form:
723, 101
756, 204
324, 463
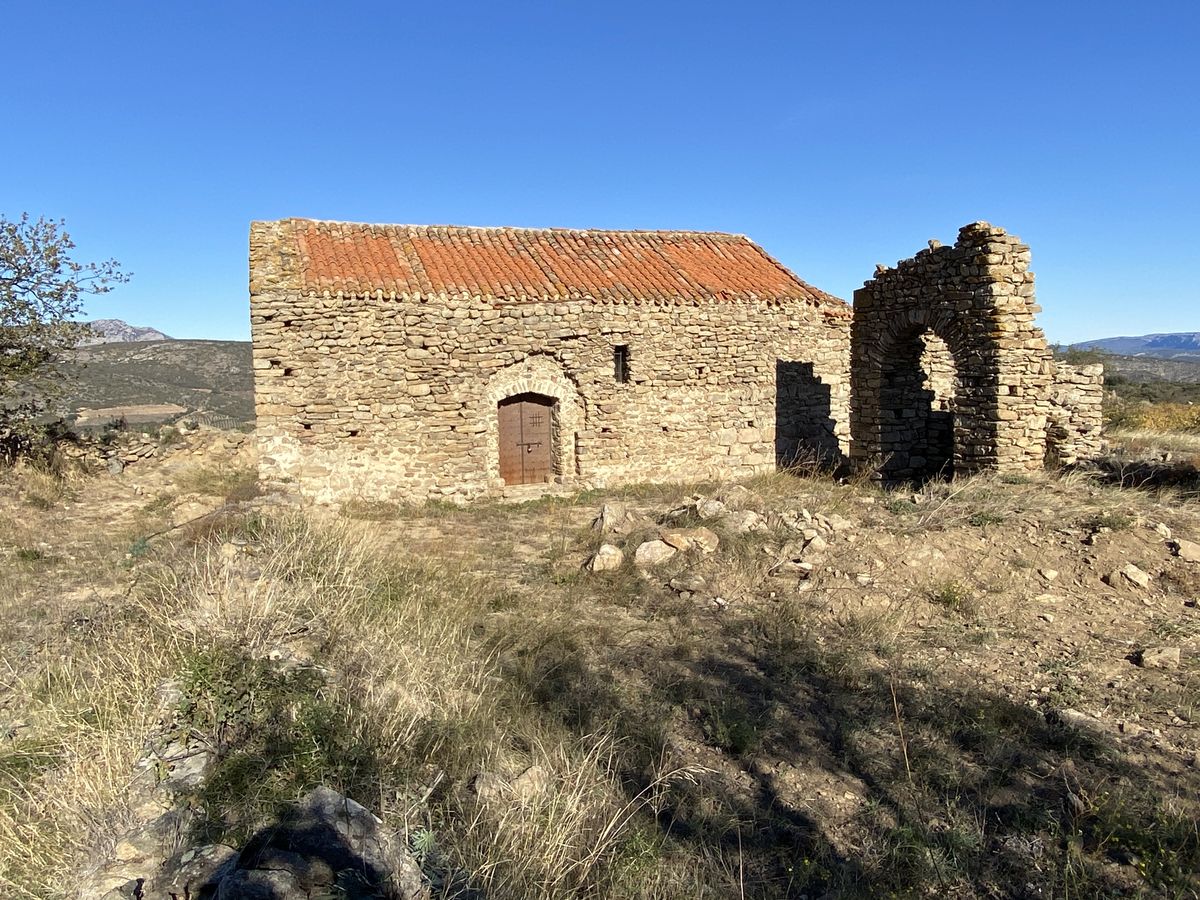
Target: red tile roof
518, 264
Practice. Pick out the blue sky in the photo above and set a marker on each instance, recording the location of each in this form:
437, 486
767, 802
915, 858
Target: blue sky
834, 135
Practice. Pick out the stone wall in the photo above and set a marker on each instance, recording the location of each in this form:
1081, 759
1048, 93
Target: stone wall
1075, 430
967, 312
397, 399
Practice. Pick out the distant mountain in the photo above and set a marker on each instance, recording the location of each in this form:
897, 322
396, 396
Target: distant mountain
115, 331
1180, 345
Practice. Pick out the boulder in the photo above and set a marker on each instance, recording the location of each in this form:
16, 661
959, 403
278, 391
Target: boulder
1188, 551
1159, 658
1128, 574
193, 870
700, 538
607, 559
324, 840
653, 553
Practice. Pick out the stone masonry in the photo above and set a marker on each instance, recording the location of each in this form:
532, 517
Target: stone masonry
382, 354
951, 376
385, 356
1075, 430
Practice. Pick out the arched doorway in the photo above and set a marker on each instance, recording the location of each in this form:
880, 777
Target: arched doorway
528, 430
918, 394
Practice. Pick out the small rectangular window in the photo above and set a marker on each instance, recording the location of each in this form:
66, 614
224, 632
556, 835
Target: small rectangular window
621, 363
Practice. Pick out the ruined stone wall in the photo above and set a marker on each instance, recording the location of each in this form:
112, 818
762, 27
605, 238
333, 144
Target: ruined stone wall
977, 297
396, 399
1075, 430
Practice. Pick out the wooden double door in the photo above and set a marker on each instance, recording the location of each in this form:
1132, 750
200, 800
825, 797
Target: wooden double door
526, 439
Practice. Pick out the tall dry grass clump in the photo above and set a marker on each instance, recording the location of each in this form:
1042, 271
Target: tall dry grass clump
305, 654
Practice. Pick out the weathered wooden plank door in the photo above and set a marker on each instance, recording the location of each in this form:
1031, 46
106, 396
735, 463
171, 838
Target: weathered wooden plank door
526, 435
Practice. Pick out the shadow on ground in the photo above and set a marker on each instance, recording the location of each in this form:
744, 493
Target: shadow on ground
833, 776
1150, 475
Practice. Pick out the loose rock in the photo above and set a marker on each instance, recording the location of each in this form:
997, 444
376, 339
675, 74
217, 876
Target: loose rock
816, 545
710, 509
701, 538
607, 559
745, 521
1159, 658
1129, 574
653, 553
1188, 551
736, 497
615, 518
1077, 720
690, 582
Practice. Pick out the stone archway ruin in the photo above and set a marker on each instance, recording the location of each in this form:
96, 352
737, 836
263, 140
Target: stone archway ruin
973, 302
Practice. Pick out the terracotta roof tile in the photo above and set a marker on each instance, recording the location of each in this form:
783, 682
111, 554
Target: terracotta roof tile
513, 264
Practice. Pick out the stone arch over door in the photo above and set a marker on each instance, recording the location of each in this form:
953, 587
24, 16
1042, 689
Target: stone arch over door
543, 377
977, 298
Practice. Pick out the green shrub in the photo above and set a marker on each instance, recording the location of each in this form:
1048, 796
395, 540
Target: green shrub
953, 595
730, 726
277, 734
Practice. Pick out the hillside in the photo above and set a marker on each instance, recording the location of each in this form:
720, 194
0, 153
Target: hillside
213, 376
1168, 346
1142, 369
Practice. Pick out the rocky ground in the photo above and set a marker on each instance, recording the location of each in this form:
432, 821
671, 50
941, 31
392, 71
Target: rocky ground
803, 686
940, 668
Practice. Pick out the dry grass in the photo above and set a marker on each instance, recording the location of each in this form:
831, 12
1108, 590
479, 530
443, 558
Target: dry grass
78, 708
417, 708
231, 483
43, 487
1182, 449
